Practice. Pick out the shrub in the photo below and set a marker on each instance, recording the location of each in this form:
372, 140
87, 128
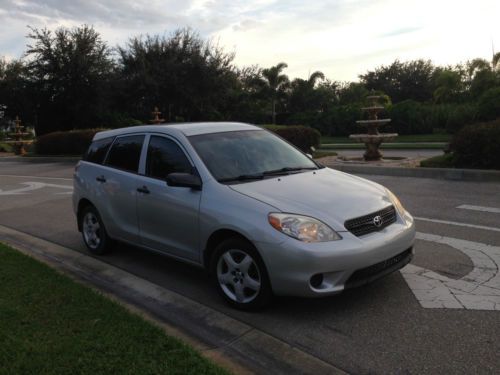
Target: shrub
302, 137
489, 104
478, 146
73, 142
411, 117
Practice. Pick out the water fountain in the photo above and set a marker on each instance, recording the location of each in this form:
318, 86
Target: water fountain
373, 139
18, 136
157, 120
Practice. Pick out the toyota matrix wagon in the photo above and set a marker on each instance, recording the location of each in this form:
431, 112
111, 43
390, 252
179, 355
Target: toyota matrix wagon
263, 217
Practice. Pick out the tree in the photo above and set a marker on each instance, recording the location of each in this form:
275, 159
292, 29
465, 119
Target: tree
303, 93
186, 77
68, 72
482, 75
275, 84
402, 80
449, 86
14, 93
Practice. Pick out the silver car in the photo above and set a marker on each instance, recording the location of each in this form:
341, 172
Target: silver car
263, 217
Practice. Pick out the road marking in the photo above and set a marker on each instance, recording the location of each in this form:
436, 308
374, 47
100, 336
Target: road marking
458, 224
478, 290
31, 186
479, 208
41, 177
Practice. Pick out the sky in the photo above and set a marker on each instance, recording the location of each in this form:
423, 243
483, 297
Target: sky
341, 38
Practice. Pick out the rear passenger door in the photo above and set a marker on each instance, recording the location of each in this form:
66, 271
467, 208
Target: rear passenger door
118, 180
168, 216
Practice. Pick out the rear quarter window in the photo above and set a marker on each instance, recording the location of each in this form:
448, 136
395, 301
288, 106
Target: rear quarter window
97, 150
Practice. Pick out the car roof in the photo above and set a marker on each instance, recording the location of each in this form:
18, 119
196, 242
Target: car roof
187, 128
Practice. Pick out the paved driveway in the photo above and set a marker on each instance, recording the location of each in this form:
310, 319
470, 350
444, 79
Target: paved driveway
441, 315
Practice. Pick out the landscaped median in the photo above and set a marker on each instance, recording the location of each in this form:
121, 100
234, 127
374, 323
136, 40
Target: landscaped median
52, 324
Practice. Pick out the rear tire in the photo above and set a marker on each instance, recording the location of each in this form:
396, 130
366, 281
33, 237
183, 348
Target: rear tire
240, 275
94, 233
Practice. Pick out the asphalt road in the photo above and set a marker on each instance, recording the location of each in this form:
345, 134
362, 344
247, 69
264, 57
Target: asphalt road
381, 328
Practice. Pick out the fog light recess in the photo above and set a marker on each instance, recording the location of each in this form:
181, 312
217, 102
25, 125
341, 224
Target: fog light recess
316, 280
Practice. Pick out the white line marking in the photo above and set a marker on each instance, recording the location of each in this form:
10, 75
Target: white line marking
457, 223
30, 186
48, 178
478, 290
480, 208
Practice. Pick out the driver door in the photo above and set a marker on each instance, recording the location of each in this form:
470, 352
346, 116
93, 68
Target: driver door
168, 216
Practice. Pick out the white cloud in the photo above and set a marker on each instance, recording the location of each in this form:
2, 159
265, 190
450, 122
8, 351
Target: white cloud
342, 38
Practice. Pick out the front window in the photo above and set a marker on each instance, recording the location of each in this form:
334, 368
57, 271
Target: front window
165, 157
238, 156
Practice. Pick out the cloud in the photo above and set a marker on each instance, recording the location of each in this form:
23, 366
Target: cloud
342, 38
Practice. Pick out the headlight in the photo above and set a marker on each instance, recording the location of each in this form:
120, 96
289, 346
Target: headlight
303, 228
395, 201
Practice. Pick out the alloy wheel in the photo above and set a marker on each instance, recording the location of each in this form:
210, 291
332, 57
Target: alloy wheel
238, 276
91, 230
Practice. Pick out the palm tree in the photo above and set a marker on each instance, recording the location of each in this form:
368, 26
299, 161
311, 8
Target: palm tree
303, 93
495, 62
275, 82
313, 78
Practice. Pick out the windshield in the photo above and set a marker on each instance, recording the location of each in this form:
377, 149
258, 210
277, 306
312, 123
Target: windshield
248, 155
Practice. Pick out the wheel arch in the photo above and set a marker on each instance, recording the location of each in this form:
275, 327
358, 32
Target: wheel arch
82, 204
216, 238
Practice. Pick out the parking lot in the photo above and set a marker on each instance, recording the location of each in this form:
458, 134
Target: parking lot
441, 314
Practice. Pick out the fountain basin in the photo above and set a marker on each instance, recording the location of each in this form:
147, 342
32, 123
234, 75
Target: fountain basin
374, 138
377, 122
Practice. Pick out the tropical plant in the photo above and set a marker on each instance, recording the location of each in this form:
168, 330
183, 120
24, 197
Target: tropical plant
275, 84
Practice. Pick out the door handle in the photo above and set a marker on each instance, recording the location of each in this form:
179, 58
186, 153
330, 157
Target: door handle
143, 190
100, 179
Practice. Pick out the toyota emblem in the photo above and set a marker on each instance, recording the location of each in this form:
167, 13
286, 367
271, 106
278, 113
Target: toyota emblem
377, 221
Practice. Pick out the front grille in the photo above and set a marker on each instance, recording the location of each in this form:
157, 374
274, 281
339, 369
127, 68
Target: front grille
370, 273
362, 225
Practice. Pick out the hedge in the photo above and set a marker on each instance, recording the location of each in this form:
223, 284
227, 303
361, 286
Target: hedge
477, 146
301, 137
73, 142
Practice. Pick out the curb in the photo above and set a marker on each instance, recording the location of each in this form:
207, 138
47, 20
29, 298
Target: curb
477, 175
41, 159
225, 340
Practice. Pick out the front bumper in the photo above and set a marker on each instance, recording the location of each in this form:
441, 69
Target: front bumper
342, 264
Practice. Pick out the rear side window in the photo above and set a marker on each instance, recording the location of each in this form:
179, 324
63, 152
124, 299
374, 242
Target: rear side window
165, 157
125, 153
98, 150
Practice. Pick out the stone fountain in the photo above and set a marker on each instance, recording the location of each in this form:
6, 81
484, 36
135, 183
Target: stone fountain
19, 142
373, 139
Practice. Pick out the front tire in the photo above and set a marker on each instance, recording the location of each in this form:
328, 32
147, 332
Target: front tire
93, 232
240, 275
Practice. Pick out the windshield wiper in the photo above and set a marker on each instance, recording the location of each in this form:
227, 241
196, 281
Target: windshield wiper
286, 170
243, 177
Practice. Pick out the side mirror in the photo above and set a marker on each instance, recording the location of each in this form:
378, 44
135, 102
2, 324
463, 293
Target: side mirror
310, 156
184, 180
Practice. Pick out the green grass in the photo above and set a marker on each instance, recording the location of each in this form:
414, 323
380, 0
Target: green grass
401, 138
50, 324
441, 161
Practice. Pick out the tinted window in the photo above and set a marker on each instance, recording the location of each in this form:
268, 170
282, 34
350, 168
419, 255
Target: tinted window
98, 150
125, 153
165, 157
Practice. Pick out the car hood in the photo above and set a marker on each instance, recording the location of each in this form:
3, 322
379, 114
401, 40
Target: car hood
328, 195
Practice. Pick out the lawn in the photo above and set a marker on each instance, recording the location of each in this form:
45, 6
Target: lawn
401, 139
50, 324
